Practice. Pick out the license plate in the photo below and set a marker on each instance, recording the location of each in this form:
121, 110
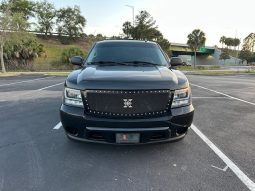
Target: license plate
127, 137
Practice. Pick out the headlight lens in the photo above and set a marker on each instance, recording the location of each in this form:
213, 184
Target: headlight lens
73, 97
182, 97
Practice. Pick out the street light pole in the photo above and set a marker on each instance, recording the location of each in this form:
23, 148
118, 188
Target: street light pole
133, 13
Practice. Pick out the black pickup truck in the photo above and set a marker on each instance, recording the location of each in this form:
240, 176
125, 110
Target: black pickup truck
125, 92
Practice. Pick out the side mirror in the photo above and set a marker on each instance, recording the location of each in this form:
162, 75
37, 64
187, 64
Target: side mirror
76, 60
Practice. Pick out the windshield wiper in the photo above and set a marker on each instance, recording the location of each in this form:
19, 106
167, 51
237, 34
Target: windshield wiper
128, 63
107, 63
143, 63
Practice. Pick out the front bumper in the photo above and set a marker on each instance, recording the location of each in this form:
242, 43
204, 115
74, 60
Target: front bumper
82, 127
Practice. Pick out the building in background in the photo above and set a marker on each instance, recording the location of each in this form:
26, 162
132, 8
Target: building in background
205, 56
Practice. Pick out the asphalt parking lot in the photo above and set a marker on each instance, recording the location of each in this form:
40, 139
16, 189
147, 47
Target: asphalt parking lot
217, 154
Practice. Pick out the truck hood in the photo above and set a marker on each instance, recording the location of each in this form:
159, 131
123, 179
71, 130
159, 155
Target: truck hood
125, 77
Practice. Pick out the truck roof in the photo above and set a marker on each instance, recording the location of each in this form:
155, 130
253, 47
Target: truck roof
108, 42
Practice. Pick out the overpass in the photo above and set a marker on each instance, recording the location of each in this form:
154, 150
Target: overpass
183, 49
205, 56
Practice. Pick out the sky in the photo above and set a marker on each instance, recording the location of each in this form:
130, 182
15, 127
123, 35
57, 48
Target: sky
175, 18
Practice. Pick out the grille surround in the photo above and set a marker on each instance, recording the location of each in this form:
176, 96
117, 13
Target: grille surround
89, 110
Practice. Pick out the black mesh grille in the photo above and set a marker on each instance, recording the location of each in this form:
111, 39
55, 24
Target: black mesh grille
133, 103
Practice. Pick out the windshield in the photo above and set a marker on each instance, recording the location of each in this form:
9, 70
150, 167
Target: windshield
127, 53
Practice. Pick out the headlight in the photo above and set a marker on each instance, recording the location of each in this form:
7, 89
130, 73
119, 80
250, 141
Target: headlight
73, 97
182, 97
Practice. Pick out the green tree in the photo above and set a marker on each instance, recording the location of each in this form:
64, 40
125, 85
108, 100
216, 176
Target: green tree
236, 42
246, 55
228, 42
145, 29
100, 37
21, 50
253, 57
70, 21
17, 44
164, 44
231, 42
9, 22
127, 29
20, 22
23, 7
19, 11
45, 14
4, 22
196, 40
222, 40
224, 54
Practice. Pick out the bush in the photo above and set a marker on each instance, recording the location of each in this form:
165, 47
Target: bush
186, 68
214, 67
200, 67
70, 52
21, 50
65, 40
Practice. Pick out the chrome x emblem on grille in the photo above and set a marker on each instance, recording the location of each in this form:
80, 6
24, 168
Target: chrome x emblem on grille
127, 103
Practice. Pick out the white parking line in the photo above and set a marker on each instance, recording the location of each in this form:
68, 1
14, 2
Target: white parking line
19, 95
245, 179
210, 97
25, 81
235, 98
49, 86
222, 169
58, 126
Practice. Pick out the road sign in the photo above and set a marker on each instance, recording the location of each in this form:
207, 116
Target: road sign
202, 49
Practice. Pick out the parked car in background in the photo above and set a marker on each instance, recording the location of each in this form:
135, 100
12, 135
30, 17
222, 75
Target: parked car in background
186, 63
176, 61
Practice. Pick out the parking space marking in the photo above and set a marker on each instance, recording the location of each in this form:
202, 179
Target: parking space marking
50, 86
25, 81
222, 169
235, 98
58, 126
240, 174
19, 95
210, 97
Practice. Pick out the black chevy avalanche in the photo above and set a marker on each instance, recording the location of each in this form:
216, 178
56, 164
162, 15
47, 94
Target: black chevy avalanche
126, 93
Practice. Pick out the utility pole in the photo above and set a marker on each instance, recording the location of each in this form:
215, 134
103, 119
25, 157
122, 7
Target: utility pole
133, 13
235, 48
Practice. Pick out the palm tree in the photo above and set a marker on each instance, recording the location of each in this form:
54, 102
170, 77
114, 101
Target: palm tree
127, 29
222, 40
196, 40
